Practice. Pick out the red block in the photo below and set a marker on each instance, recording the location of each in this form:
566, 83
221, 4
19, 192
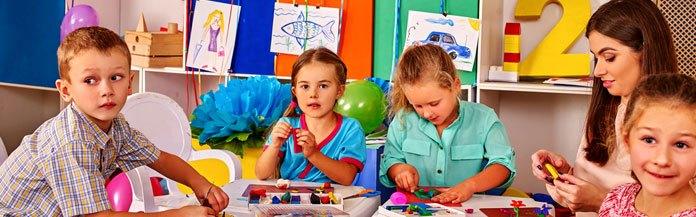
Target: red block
512, 29
258, 192
511, 57
325, 200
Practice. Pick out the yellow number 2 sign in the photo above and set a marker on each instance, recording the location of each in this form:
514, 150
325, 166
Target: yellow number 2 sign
549, 58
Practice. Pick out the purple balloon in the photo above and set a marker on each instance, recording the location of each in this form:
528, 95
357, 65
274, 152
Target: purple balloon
120, 193
77, 17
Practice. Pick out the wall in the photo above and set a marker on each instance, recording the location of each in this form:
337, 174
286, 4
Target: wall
541, 121
22, 110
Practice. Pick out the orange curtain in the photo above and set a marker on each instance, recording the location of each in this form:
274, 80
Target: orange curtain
355, 46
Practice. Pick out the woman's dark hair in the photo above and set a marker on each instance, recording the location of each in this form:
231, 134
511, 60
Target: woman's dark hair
639, 25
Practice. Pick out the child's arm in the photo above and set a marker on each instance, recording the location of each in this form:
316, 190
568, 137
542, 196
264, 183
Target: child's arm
184, 211
499, 172
394, 171
268, 161
341, 172
178, 170
491, 177
405, 176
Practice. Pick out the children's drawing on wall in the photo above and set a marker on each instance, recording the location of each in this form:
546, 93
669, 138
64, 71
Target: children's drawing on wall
457, 35
299, 28
212, 36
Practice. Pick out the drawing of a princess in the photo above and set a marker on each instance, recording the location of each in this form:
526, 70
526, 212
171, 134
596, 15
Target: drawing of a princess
213, 56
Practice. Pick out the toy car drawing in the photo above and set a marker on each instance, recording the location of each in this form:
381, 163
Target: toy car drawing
448, 43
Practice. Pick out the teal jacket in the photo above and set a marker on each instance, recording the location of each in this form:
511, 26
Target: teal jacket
474, 141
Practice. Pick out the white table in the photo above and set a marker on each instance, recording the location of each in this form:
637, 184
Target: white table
476, 202
360, 206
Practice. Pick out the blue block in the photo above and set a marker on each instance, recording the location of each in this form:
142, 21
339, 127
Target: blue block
295, 200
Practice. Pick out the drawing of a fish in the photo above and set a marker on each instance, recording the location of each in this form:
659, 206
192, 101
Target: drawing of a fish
442, 21
303, 29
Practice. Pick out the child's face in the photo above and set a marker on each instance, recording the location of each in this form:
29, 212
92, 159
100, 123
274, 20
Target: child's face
662, 145
617, 65
99, 85
432, 102
317, 89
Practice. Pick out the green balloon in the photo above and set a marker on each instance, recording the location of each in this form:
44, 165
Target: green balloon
364, 101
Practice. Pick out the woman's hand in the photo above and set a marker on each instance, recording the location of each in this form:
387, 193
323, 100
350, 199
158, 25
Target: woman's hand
543, 156
580, 195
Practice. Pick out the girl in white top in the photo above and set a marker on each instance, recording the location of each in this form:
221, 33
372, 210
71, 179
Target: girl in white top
629, 39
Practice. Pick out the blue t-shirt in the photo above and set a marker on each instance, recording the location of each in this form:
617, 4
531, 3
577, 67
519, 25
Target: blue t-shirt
345, 143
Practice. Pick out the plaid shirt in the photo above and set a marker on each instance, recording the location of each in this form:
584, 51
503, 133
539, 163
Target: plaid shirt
60, 169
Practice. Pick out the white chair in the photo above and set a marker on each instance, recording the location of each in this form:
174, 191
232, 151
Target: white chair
3, 152
164, 123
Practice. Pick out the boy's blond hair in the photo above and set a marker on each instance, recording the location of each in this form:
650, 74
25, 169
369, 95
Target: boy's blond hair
99, 38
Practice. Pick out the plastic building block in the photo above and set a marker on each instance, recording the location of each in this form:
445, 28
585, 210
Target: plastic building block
552, 170
295, 199
314, 199
285, 198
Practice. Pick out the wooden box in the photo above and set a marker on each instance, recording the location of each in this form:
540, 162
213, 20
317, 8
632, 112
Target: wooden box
155, 49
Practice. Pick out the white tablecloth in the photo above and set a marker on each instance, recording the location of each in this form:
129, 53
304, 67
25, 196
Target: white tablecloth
360, 206
479, 201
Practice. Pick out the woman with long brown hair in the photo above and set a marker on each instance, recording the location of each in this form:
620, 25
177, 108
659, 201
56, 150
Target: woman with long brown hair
629, 39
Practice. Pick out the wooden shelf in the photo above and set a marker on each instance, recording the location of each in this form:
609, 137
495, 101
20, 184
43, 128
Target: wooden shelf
534, 87
28, 86
177, 70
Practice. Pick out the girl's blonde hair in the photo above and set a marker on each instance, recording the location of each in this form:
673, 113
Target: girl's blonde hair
221, 21
671, 89
418, 63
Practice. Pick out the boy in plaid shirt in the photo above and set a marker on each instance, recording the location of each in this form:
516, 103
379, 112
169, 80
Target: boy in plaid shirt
60, 169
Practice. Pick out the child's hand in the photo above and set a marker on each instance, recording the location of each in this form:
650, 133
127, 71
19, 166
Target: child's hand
213, 197
280, 133
457, 194
194, 211
307, 141
406, 177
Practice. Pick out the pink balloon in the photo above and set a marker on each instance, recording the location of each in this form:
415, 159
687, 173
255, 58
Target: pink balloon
120, 192
77, 17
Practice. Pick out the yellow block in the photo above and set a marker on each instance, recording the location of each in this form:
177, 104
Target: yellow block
512, 43
514, 192
510, 67
552, 170
214, 170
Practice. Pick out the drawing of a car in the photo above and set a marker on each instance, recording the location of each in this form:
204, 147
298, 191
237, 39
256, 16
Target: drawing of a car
448, 43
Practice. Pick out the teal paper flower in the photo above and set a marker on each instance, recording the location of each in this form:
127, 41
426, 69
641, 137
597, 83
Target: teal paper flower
239, 113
